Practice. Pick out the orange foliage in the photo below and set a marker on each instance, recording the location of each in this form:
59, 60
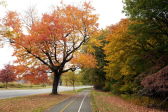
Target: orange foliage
12, 20
54, 39
84, 60
36, 75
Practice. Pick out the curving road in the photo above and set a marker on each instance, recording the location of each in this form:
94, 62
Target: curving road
16, 93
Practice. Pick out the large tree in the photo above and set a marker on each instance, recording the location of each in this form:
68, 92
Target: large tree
124, 56
54, 39
151, 26
96, 76
151, 32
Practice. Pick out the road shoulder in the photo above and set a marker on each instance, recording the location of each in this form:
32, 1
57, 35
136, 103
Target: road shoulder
33, 103
107, 102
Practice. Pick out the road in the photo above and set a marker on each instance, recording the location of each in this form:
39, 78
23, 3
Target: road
78, 103
16, 93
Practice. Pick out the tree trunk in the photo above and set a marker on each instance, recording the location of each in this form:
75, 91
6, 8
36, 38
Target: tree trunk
30, 85
55, 83
73, 86
6, 85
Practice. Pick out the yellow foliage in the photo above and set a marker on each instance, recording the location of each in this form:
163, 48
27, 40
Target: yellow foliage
117, 49
126, 70
84, 60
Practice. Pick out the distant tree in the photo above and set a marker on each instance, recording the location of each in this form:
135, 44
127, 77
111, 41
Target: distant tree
72, 78
29, 77
36, 75
65, 79
7, 75
41, 76
87, 76
3, 3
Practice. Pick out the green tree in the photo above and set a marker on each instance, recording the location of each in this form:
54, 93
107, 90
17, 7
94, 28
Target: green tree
99, 76
151, 26
95, 76
151, 32
153, 14
70, 77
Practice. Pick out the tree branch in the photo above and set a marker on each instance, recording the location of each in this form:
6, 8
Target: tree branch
72, 69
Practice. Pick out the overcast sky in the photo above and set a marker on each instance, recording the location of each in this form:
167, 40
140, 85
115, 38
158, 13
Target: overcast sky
109, 11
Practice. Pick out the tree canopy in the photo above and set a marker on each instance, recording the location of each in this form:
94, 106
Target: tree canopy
54, 39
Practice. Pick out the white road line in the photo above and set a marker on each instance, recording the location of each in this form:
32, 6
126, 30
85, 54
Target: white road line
82, 103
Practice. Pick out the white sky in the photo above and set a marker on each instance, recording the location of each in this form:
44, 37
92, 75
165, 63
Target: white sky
109, 11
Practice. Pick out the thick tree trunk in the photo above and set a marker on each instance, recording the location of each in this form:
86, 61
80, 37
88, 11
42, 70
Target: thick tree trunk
55, 83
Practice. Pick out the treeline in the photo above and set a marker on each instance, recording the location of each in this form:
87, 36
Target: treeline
133, 55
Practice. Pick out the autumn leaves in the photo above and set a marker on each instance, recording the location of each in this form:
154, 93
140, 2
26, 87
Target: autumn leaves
54, 39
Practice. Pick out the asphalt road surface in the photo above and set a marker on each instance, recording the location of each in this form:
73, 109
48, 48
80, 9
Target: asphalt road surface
78, 103
16, 93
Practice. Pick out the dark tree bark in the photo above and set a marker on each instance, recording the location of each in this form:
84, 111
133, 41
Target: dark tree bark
55, 83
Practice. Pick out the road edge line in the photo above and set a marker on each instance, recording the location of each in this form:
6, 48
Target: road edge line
82, 103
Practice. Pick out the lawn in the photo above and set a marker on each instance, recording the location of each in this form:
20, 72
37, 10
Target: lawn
22, 86
34, 103
106, 102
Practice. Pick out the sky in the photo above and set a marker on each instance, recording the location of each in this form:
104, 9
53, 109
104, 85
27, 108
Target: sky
109, 11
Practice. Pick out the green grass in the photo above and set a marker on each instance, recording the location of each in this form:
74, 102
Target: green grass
22, 86
79, 90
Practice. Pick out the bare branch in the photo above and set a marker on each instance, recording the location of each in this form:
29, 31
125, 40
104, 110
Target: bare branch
72, 69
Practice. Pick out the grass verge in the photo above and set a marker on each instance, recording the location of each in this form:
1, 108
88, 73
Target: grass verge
12, 86
106, 102
33, 103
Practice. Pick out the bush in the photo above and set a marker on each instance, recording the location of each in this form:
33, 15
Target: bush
107, 86
157, 84
115, 89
